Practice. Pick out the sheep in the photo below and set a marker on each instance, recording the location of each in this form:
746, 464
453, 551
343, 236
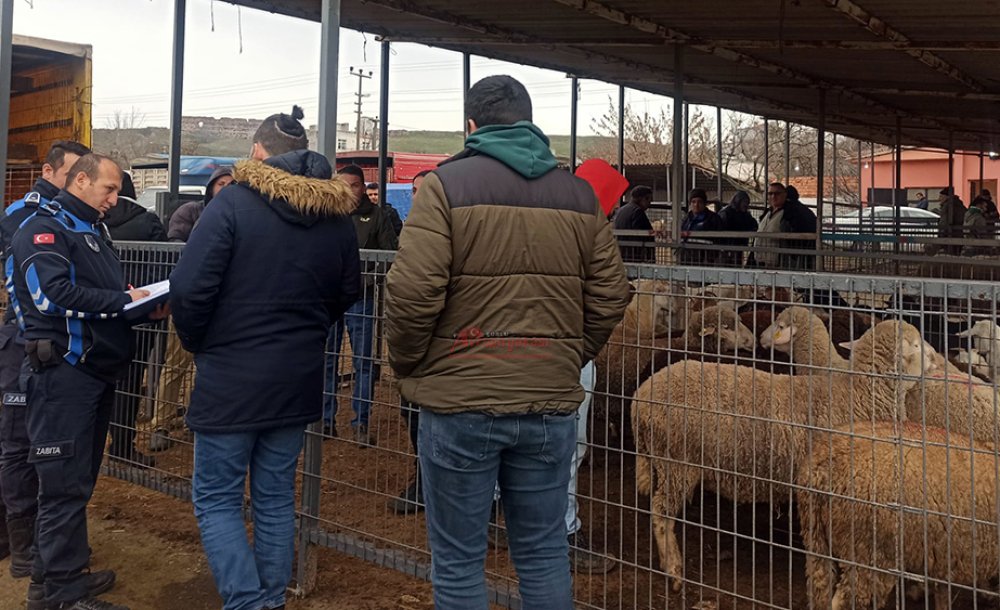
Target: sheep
689, 432
655, 311
950, 399
972, 362
801, 334
714, 330
984, 336
867, 495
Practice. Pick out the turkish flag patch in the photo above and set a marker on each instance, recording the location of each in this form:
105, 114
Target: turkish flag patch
44, 238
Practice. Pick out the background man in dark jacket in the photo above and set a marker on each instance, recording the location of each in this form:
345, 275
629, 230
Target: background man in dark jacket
129, 221
736, 217
374, 232
699, 218
488, 332
183, 219
375, 197
274, 261
784, 215
951, 219
632, 217
18, 480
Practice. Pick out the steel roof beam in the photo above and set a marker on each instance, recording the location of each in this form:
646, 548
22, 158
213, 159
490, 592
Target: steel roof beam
883, 30
648, 26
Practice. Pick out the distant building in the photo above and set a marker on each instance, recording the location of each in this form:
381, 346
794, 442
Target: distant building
927, 172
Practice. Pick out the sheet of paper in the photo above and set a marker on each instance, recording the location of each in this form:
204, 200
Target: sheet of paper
156, 291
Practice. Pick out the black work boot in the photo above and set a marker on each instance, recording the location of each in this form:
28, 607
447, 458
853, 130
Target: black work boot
410, 501
4, 536
98, 582
22, 535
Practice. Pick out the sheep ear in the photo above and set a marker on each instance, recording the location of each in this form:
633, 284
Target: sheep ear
708, 330
965, 333
849, 344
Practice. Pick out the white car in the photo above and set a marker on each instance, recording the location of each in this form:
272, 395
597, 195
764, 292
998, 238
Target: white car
876, 226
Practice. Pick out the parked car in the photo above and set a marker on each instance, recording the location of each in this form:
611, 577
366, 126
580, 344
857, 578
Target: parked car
877, 225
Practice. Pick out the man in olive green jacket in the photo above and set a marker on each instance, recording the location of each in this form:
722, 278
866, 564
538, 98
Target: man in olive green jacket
507, 281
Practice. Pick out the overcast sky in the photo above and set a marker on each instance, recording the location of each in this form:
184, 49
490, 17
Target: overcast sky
279, 66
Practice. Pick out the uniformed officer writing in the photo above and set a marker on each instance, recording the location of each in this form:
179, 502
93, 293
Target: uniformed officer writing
69, 294
18, 481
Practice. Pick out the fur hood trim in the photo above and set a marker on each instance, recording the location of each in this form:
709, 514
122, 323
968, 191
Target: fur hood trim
308, 196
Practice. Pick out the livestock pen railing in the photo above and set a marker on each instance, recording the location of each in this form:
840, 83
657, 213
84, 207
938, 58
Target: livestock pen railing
842, 251
760, 464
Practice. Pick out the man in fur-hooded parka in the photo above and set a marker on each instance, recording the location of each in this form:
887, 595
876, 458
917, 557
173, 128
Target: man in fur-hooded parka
273, 264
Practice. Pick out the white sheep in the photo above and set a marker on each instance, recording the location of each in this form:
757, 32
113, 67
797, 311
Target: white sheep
738, 430
801, 334
972, 362
656, 310
868, 496
630, 357
985, 338
950, 398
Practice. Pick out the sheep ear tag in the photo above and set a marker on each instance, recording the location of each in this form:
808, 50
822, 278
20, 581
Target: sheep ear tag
783, 335
708, 330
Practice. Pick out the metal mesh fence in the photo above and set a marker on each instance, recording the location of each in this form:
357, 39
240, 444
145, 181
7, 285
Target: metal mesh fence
739, 452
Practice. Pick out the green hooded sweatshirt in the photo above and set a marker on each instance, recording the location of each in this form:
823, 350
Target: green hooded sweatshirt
521, 146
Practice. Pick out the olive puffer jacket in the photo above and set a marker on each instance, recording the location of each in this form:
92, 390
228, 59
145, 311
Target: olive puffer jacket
507, 280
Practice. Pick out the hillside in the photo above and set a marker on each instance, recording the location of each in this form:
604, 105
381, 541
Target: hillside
127, 144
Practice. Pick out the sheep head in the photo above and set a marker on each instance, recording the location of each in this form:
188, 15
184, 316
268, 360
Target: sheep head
892, 347
793, 322
656, 302
985, 338
718, 329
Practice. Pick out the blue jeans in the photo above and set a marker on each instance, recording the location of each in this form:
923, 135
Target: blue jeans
588, 378
462, 457
360, 323
248, 578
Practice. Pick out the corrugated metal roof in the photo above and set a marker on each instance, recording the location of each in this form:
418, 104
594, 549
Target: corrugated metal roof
934, 64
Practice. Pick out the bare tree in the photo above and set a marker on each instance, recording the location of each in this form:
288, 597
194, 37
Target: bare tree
126, 119
649, 137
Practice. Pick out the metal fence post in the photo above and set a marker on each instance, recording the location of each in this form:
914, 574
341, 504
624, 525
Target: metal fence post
312, 457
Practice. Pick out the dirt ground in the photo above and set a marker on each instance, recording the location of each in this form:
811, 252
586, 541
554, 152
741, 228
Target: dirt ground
152, 542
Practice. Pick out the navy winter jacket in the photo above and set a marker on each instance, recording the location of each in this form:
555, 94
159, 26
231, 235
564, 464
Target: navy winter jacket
273, 264
68, 287
16, 213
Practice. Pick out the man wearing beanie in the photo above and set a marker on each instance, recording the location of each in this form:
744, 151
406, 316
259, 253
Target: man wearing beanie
507, 283
273, 264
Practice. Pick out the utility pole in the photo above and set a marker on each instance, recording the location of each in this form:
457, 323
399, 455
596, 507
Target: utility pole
360, 74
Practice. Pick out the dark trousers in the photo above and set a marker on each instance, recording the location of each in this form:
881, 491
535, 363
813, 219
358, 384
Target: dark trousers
18, 481
411, 415
127, 399
68, 416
